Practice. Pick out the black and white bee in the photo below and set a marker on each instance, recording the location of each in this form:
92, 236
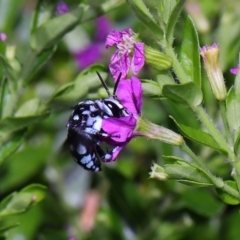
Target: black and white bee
85, 128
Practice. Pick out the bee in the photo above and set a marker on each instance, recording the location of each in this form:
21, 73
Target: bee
85, 132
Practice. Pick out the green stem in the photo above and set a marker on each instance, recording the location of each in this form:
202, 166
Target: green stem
214, 132
22, 76
176, 65
218, 182
222, 107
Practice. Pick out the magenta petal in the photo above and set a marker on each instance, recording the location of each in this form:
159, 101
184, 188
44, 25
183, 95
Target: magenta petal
119, 64
89, 55
113, 38
121, 127
138, 58
3, 36
61, 8
116, 37
117, 151
129, 93
103, 28
235, 70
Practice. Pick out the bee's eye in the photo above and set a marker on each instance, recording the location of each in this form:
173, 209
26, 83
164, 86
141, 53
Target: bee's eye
94, 114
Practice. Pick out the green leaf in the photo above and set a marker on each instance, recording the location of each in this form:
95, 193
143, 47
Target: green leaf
225, 196
142, 12
11, 124
202, 202
173, 20
49, 33
84, 82
189, 54
188, 93
38, 16
29, 108
20, 202
186, 173
164, 79
37, 191
4, 226
198, 136
150, 88
237, 84
11, 146
165, 8
179, 112
8, 70
40, 60
237, 143
233, 110
32, 157
4, 91
228, 38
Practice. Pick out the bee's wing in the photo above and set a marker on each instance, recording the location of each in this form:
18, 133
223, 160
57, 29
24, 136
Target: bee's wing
83, 149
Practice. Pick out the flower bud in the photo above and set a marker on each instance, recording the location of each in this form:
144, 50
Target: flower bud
153, 131
157, 59
158, 172
210, 55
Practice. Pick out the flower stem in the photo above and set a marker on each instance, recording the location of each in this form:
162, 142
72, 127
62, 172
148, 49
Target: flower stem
176, 64
220, 140
218, 182
222, 107
154, 131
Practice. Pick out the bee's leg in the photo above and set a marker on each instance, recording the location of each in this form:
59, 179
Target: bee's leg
110, 155
99, 134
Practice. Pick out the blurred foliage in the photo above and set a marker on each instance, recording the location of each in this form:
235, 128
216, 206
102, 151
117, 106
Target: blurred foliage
41, 81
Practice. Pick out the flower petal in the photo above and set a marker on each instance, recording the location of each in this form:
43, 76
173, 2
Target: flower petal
103, 27
113, 38
129, 93
89, 55
116, 37
121, 127
61, 8
235, 70
116, 151
119, 64
138, 58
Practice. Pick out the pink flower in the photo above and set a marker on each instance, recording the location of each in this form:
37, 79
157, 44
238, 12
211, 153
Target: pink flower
95, 50
235, 70
129, 93
3, 36
130, 53
61, 8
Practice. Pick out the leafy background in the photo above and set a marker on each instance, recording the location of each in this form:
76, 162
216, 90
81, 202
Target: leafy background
121, 202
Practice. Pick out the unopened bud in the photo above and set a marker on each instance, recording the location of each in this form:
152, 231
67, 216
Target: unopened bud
157, 59
153, 131
210, 55
158, 172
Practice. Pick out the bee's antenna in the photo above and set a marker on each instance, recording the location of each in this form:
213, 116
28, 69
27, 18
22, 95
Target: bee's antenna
116, 85
104, 84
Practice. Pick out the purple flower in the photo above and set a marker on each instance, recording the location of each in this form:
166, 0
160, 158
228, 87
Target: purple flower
88, 55
235, 70
129, 93
61, 8
3, 36
130, 53
94, 51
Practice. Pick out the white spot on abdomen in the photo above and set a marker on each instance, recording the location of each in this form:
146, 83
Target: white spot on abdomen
76, 117
81, 149
86, 159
